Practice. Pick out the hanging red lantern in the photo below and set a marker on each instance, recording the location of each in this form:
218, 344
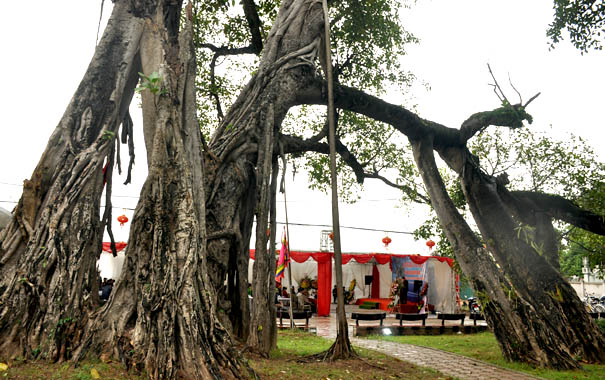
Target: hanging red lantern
331, 235
386, 240
430, 244
122, 219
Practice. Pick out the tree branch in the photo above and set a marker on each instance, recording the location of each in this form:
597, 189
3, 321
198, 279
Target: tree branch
562, 209
407, 122
293, 144
254, 24
414, 195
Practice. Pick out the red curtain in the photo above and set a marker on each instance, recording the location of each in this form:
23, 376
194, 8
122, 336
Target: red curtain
119, 246
417, 259
324, 276
375, 282
324, 283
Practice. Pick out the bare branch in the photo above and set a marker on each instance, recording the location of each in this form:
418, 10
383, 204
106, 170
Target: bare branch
531, 99
413, 194
497, 86
513, 86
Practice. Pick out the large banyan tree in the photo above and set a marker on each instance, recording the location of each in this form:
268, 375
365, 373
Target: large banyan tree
181, 298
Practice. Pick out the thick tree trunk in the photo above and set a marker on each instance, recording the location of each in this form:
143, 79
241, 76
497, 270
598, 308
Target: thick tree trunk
48, 254
511, 317
284, 70
562, 327
162, 311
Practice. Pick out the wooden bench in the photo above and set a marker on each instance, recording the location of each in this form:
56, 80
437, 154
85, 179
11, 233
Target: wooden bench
451, 317
368, 317
596, 315
411, 317
296, 314
476, 317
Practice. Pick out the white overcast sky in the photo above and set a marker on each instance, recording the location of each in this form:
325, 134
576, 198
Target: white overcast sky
47, 46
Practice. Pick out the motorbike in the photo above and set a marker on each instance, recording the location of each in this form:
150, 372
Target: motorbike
473, 305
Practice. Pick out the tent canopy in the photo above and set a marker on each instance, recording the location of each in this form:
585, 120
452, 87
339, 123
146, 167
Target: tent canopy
435, 270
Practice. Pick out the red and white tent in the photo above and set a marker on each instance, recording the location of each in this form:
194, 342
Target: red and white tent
436, 270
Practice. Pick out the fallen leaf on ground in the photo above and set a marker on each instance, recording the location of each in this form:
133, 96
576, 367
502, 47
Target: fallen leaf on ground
95, 374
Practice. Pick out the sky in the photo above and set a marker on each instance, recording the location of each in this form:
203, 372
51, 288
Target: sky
48, 45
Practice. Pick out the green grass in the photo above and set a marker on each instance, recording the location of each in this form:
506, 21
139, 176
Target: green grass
484, 347
286, 362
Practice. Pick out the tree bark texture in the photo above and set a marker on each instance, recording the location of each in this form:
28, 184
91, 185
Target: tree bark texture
263, 334
233, 163
518, 326
563, 328
48, 254
162, 312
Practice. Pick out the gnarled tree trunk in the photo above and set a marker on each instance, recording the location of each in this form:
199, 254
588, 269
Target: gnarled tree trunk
562, 327
162, 311
522, 330
48, 254
285, 69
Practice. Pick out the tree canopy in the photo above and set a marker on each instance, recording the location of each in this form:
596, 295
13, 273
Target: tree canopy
584, 20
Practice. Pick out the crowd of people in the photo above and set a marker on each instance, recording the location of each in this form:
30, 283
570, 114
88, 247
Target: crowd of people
302, 299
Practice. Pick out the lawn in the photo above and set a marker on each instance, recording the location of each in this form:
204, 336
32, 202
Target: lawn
484, 347
284, 364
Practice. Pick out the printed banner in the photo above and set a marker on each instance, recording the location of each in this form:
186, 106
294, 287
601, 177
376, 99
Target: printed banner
405, 267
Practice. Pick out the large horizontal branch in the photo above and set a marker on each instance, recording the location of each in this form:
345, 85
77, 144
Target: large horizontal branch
562, 209
407, 122
506, 116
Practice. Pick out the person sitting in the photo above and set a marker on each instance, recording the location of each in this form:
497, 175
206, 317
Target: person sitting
303, 300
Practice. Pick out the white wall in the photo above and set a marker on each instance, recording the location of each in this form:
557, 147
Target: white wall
596, 288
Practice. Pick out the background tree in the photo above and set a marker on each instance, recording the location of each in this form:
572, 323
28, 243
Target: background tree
584, 20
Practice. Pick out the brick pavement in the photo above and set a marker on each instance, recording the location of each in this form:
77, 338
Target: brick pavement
457, 366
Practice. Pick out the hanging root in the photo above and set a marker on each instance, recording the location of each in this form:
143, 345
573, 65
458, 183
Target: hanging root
127, 136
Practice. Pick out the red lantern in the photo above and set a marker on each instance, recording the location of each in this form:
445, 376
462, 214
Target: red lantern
331, 235
122, 219
430, 244
386, 240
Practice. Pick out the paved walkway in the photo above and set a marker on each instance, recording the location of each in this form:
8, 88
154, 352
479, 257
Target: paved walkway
449, 364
